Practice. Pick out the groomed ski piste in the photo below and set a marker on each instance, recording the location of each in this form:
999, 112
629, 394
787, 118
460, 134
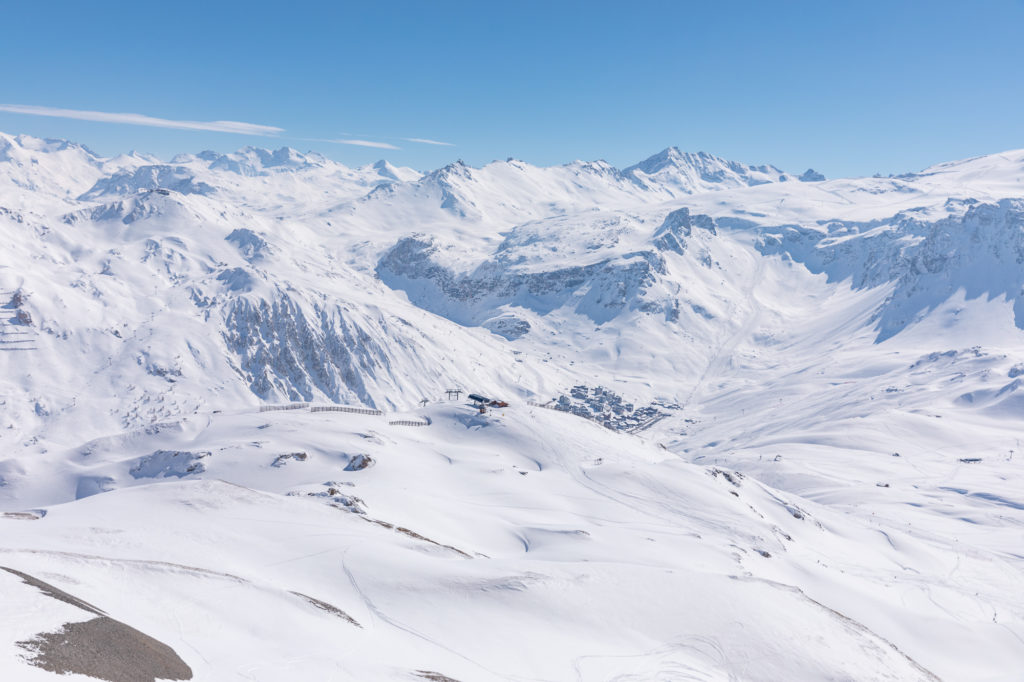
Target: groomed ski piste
785, 443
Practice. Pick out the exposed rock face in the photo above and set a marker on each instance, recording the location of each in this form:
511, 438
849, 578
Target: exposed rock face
508, 326
678, 224
281, 460
164, 463
671, 235
286, 350
359, 462
600, 290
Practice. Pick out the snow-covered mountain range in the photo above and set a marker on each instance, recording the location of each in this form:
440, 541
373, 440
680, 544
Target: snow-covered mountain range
798, 456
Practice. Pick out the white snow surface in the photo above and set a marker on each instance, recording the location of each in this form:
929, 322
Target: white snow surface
801, 457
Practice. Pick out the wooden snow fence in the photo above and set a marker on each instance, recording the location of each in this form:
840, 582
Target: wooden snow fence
345, 408
289, 406
408, 422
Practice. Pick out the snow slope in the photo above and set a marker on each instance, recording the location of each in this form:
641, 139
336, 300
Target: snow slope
797, 459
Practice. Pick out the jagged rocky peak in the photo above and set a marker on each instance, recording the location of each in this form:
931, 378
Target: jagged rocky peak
672, 157
456, 169
811, 175
668, 157
450, 182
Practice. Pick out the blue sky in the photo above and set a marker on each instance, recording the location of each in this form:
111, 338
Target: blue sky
848, 88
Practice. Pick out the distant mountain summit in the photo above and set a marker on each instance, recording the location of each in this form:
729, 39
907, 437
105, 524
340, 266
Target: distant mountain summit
689, 173
811, 175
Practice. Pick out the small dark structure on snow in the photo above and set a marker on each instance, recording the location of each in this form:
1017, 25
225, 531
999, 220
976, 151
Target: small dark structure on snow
481, 401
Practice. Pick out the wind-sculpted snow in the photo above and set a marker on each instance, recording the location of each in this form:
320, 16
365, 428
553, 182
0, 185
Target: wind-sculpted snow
979, 252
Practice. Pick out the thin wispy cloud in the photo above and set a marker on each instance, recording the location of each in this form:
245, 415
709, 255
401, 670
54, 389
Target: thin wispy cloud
366, 143
237, 127
423, 140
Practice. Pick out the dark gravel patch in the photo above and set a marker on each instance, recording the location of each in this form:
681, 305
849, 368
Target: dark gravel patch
102, 647
106, 649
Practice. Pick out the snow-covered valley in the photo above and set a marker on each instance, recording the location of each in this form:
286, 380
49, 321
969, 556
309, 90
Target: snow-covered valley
761, 425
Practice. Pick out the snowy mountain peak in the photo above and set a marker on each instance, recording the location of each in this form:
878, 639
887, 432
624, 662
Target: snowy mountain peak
399, 174
598, 167
251, 161
456, 169
670, 156
688, 173
45, 169
30, 144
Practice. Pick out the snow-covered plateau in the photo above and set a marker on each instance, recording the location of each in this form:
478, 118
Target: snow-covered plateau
760, 425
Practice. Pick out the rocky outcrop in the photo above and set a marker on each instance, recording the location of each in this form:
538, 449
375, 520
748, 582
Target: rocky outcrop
295, 352
601, 290
678, 225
